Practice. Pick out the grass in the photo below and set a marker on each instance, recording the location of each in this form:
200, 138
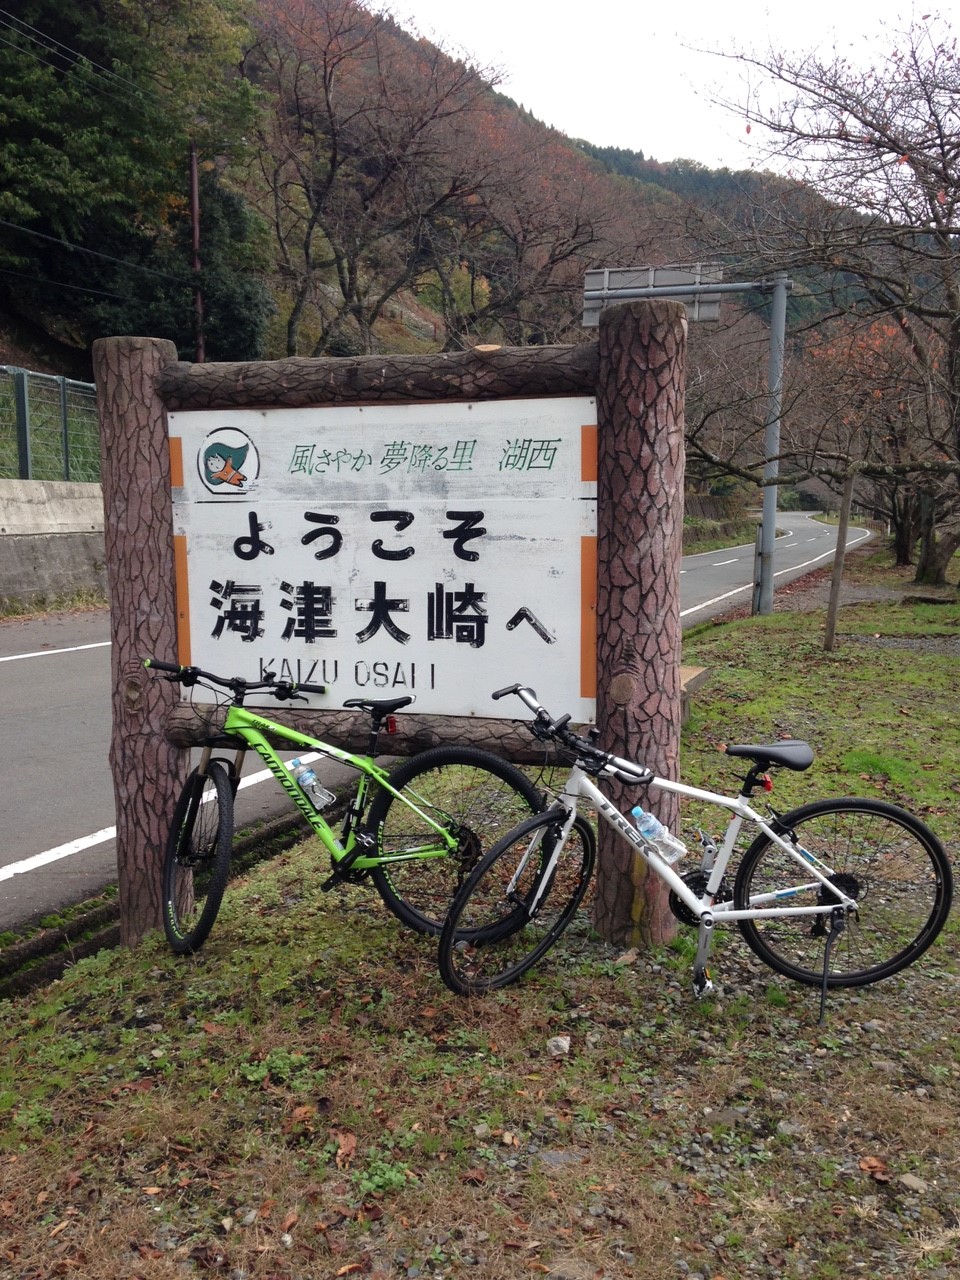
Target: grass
700, 536
305, 1099
74, 601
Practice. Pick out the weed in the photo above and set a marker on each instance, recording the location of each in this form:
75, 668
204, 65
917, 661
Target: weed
380, 1177
80, 600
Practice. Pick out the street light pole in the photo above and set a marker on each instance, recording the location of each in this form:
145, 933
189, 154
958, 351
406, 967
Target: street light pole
768, 527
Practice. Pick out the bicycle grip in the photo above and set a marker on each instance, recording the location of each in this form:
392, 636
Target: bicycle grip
502, 693
311, 688
154, 664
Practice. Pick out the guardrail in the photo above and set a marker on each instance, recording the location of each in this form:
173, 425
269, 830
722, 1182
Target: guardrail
48, 427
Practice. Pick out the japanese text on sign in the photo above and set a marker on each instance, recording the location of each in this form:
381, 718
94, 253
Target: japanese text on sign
443, 550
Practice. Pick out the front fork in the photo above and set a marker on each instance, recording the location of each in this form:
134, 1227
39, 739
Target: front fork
233, 767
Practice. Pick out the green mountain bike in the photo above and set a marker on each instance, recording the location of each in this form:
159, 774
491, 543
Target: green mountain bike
415, 831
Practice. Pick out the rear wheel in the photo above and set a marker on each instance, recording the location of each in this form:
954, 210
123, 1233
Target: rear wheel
885, 858
505, 919
475, 796
197, 858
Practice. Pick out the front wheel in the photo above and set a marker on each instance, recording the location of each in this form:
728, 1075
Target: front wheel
474, 796
885, 858
197, 859
505, 918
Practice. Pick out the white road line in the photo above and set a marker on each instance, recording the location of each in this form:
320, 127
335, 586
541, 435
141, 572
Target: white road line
54, 855
46, 653
110, 833
717, 564
851, 542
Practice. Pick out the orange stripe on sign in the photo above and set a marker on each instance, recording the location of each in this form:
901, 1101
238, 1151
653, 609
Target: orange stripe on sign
176, 466
183, 599
588, 617
589, 449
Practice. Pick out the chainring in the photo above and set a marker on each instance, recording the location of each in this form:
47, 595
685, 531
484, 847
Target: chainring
696, 882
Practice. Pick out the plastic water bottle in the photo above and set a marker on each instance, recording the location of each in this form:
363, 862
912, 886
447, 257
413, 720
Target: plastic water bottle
309, 784
655, 833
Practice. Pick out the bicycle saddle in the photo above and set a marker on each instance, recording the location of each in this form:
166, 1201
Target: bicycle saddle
379, 706
792, 754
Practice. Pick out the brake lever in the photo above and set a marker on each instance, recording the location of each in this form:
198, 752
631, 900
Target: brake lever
284, 693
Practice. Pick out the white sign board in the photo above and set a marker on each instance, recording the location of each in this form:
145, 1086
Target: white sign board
442, 550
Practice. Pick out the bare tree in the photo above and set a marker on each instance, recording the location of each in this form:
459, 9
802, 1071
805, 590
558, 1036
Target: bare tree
872, 206
512, 264
368, 139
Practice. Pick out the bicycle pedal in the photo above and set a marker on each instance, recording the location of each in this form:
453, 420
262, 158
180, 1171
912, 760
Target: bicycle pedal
702, 984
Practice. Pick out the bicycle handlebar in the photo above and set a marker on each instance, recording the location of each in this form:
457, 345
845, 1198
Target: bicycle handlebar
545, 727
282, 690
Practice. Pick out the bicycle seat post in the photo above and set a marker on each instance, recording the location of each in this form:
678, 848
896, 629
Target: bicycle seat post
376, 720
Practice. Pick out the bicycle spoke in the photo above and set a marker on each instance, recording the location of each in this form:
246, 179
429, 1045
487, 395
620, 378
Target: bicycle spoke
475, 796
508, 914
883, 858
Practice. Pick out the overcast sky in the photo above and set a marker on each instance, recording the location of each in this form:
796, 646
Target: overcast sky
619, 74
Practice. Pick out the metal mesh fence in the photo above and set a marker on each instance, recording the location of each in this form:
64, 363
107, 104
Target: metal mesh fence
48, 427
9, 467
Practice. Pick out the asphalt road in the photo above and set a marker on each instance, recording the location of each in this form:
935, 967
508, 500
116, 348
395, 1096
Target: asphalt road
56, 803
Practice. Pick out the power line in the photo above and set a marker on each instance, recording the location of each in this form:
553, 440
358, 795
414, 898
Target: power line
57, 284
101, 80
77, 248
41, 38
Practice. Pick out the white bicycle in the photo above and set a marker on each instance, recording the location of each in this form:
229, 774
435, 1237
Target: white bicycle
837, 893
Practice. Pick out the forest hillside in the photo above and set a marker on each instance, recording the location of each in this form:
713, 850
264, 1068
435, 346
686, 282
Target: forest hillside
297, 177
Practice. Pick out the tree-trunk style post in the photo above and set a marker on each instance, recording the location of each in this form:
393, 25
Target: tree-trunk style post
640, 530
138, 530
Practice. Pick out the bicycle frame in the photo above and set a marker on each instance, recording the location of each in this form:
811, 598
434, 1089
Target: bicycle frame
705, 907
251, 729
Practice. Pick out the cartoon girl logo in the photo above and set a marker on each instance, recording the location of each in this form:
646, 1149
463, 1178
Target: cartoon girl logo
228, 462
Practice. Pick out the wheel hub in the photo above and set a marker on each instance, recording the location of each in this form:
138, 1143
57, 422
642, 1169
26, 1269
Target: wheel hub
469, 848
847, 884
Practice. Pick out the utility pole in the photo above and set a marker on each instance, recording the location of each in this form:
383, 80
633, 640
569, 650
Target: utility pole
771, 443
195, 224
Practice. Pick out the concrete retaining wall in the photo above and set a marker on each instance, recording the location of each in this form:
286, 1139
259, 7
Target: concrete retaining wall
51, 539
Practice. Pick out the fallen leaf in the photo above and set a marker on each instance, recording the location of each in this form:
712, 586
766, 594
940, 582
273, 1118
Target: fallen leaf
347, 1148
290, 1220
876, 1168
